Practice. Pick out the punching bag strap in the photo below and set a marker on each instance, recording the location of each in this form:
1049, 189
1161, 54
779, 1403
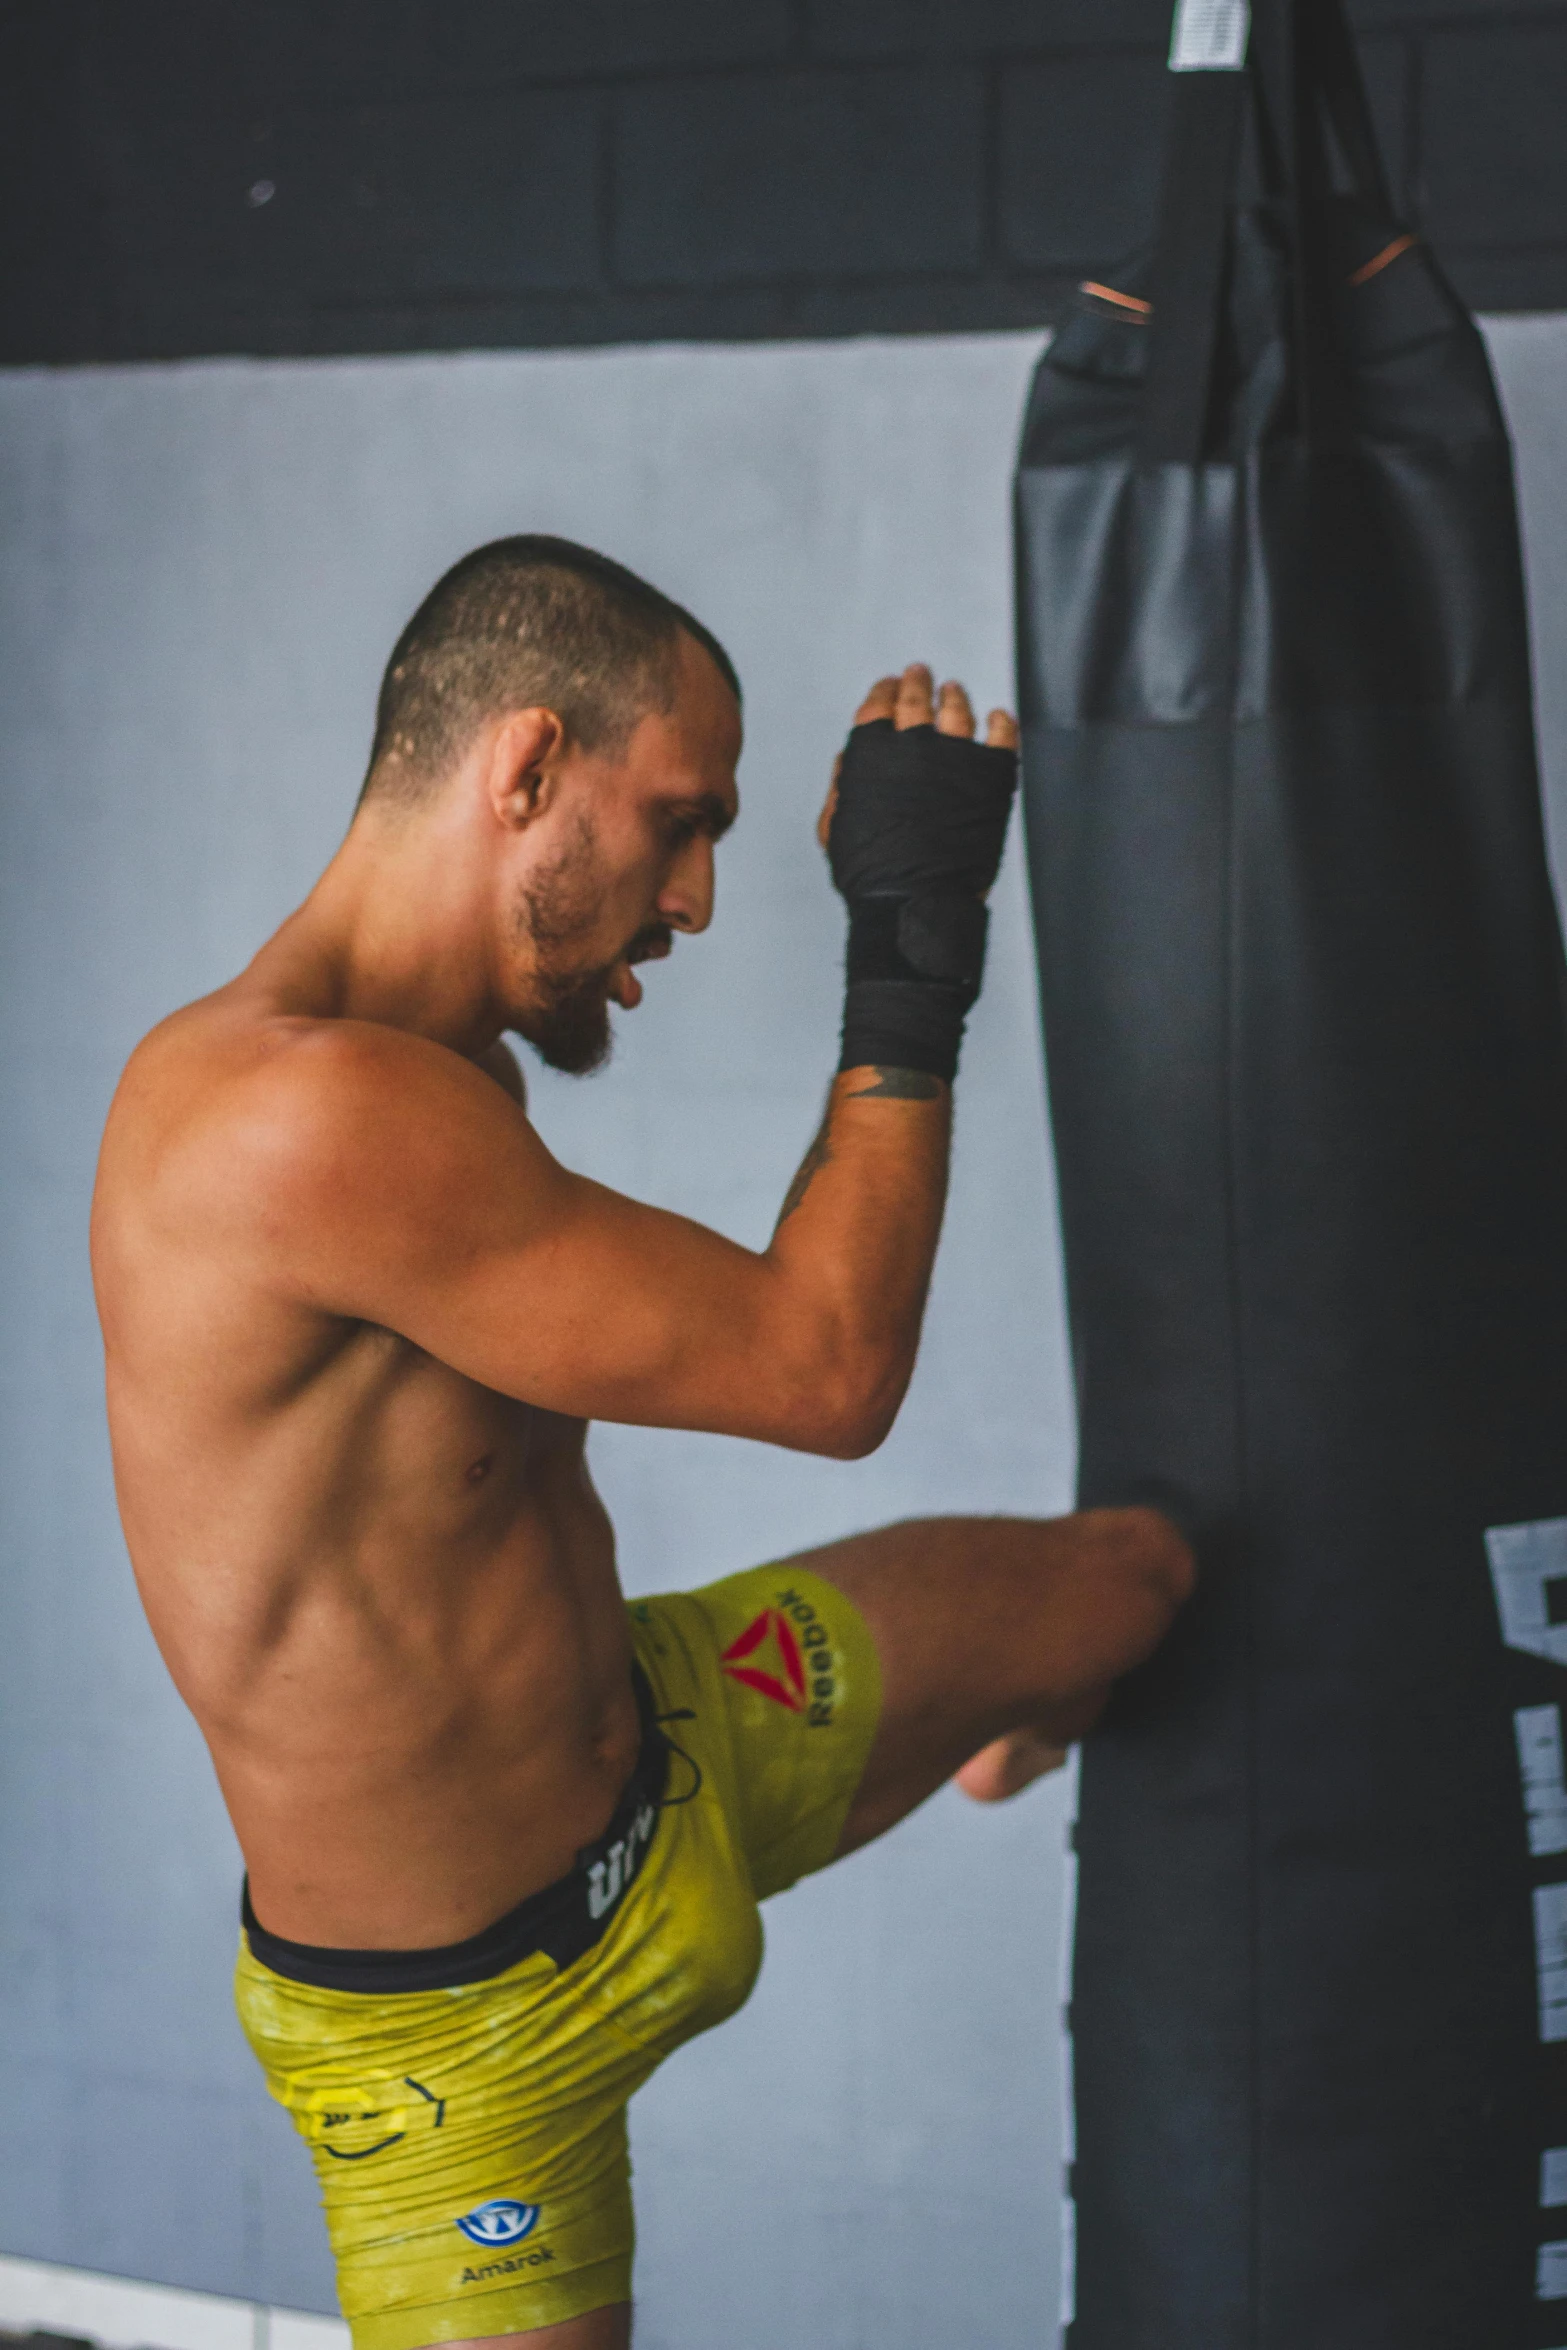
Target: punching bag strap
1336, 72
1302, 68
1294, 71
1188, 279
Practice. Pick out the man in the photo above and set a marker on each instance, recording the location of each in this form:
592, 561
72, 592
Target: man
505, 1837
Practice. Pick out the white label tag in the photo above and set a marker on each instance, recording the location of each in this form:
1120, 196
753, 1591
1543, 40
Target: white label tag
1553, 2178
1550, 2273
1209, 36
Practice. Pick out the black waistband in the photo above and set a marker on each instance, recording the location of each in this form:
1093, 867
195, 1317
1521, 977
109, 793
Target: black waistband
564, 1921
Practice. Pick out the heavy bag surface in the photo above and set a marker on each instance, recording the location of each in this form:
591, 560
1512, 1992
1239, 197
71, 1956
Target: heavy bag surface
1303, 990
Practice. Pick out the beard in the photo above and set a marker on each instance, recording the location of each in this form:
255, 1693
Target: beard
568, 1027
567, 1023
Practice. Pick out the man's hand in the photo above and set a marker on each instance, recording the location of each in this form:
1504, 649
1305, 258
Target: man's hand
914, 839
910, 700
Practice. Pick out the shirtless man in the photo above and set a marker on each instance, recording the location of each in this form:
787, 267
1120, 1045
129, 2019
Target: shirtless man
505, 1835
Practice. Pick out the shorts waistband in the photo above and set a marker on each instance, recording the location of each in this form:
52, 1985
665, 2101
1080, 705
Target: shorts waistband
564, 1920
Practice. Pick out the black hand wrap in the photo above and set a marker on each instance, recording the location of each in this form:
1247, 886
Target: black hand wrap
916, 842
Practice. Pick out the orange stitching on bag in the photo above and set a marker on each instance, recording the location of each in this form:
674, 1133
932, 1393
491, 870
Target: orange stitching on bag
1360, 277
1379, 261
1122, 301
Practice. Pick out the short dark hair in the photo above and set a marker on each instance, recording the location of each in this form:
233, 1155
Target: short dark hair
526, 621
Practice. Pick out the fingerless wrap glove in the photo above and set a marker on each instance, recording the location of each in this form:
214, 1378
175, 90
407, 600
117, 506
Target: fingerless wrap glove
915, 844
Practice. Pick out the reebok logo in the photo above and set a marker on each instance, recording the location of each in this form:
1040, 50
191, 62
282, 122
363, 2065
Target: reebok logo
766, 1657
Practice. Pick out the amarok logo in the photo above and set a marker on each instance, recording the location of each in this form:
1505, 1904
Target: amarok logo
767, 1657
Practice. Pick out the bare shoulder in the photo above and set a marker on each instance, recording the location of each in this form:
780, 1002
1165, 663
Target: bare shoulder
360, 1110
289, 1138
501, 1063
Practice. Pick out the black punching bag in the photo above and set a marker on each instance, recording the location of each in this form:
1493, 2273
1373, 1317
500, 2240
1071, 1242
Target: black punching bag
1303, 994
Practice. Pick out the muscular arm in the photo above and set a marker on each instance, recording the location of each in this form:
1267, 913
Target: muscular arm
386, 1180
863, 1216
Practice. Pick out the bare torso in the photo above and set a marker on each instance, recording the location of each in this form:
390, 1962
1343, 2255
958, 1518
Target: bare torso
386, 1591
356, 1319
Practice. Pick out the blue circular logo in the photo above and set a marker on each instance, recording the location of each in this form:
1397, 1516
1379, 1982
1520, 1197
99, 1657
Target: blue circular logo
499, 2222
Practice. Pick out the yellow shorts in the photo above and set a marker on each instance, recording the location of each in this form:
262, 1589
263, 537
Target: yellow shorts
470, 2138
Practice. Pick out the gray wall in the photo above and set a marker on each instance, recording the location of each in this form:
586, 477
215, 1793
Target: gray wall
325, 176
201, 568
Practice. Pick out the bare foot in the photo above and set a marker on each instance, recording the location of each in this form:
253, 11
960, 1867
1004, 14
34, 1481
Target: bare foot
1007, 1765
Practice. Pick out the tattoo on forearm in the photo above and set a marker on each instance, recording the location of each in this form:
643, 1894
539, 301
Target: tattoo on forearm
815, 1159
900, 1085
889, 1085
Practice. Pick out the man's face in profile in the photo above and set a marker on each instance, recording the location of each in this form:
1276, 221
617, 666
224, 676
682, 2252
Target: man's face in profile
568, 1022
630, 863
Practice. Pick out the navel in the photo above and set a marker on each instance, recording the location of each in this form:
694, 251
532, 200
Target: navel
478, 1470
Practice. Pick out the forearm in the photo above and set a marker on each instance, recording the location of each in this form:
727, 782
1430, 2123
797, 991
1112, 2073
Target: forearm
914, 831
855, 1244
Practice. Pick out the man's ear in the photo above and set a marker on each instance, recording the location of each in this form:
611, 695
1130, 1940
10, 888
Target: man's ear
522, 770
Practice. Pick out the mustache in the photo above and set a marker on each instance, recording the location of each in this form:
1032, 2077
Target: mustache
652, 942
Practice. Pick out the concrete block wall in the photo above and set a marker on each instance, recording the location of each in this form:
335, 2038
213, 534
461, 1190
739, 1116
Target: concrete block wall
329, 176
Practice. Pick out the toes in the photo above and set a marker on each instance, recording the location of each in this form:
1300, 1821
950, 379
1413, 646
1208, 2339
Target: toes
954, 711
1008, 1765
1001, 730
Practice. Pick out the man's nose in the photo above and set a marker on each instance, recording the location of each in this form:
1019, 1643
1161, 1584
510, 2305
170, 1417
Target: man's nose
686, 899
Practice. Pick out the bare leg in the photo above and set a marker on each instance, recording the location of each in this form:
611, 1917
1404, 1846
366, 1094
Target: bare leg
597, 2329
998, 1637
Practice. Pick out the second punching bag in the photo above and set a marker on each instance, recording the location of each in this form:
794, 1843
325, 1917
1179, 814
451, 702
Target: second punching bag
1303, 992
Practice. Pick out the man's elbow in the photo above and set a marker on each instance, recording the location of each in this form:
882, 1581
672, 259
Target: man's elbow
849, 1439
848, 1414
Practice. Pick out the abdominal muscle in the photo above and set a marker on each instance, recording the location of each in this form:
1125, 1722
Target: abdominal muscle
392, 1606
